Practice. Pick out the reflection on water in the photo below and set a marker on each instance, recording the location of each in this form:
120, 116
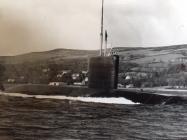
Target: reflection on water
51, 119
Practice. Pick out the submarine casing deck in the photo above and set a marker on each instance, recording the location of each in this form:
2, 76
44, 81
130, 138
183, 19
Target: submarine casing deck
73, 91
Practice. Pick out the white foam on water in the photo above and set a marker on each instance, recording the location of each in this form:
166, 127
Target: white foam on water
83, 99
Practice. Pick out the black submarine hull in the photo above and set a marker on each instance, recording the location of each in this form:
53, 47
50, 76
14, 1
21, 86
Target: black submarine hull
74, 91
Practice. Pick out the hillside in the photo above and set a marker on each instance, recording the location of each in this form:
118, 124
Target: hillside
156, 54
134, 55
158, 66
53, 56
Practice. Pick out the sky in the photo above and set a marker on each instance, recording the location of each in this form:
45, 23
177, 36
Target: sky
39, 25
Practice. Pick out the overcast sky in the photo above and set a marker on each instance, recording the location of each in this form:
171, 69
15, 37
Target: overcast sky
37, 25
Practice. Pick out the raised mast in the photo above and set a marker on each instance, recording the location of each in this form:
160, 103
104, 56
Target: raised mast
106, 39
101, 34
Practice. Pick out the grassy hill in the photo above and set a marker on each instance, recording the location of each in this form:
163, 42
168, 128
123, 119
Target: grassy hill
134, 55
146, 65
156, 54
56, 56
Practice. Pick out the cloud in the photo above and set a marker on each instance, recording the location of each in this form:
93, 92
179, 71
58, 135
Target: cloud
147, 23
42, 25
27, 25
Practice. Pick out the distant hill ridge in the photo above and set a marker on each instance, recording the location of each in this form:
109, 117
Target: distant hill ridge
57, 55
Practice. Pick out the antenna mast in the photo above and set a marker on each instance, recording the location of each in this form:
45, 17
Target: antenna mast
101, 34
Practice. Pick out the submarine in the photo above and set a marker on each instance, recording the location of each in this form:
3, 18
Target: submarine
102, 82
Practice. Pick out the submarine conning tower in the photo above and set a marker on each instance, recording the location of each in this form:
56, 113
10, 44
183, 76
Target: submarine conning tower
103, 69
103, 72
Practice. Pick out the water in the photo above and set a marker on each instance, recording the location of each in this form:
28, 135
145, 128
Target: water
32, 118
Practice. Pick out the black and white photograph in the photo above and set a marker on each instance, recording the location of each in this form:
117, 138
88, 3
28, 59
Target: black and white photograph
93, 70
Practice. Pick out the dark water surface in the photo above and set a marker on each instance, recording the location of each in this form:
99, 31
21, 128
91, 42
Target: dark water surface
49, 119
